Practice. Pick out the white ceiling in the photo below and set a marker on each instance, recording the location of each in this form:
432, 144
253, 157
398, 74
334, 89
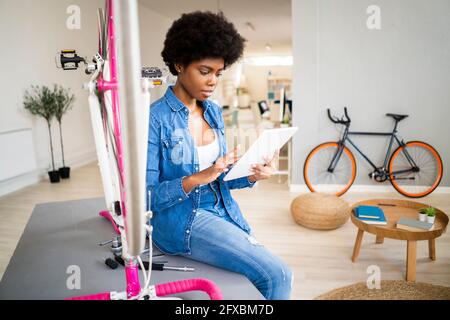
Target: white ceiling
271, 19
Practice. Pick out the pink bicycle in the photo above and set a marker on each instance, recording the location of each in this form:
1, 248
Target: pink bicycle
120, 136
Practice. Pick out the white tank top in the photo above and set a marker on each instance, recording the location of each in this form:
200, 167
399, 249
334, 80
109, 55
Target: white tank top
208, 153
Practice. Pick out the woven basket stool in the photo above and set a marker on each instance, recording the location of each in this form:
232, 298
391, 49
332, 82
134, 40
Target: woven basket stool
320, 211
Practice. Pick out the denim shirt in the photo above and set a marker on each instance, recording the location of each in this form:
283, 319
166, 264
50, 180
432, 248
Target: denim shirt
172, 156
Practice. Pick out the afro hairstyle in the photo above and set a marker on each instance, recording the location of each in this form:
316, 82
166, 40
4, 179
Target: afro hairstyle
199, 35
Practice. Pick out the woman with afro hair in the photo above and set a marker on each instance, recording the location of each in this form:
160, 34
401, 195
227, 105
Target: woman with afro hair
194, 213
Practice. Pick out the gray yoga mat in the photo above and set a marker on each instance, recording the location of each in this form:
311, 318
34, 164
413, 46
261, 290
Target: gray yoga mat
62, 238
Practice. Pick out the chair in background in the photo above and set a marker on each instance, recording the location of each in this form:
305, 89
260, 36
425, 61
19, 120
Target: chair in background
264, 109
261, 118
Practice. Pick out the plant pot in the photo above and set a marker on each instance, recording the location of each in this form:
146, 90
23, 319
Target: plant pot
422, 217
54, 176
64, 172
430, 219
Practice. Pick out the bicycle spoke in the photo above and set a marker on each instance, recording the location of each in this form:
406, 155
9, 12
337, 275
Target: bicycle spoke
424, 181
320, 179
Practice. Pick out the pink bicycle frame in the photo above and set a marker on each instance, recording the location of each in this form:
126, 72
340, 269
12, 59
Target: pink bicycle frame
131, 266
113, 86
133, 288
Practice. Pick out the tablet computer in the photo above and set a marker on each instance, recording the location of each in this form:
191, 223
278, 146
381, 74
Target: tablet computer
263, 148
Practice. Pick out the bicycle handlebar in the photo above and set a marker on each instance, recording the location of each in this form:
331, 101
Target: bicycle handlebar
343, 121
346, 115
200, 284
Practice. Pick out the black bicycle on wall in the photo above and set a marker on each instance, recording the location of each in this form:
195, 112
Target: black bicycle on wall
414, 168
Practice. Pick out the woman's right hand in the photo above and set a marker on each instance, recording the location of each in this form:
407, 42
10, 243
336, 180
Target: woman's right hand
221, 165
212, 173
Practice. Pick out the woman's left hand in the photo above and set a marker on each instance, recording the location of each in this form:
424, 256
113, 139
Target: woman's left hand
264, 171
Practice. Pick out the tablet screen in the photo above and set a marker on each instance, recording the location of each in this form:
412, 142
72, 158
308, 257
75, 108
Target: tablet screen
269, 142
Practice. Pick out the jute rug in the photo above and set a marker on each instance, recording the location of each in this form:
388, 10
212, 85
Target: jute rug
390, 290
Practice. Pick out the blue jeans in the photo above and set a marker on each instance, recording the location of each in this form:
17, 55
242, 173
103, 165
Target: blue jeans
218, 241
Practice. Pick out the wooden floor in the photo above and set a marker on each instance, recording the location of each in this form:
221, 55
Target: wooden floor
320, 260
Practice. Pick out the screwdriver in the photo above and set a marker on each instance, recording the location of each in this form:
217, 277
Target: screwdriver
156, 266
161, 267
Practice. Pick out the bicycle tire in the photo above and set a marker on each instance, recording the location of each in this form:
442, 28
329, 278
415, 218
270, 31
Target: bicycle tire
439, 166
307, 165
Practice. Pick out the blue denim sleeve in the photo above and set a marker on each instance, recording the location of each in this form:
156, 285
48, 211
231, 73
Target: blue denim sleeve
240, 183
163, 194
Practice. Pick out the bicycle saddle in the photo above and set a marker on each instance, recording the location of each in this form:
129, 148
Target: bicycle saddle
397, 117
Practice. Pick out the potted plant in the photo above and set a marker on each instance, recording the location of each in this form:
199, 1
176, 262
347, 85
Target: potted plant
285, 122
41, 102
423, 214
430, 214
63, 102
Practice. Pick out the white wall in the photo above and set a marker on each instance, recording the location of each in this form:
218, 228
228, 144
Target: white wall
402, 68
31, 33
153, 28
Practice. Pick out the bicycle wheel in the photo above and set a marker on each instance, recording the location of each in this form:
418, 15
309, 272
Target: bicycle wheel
317, 176
415, 183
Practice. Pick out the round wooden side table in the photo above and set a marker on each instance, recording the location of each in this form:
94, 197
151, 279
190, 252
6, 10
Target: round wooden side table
393, 211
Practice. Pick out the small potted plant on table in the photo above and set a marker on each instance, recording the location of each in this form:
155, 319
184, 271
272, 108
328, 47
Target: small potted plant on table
423, 214
427, 214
